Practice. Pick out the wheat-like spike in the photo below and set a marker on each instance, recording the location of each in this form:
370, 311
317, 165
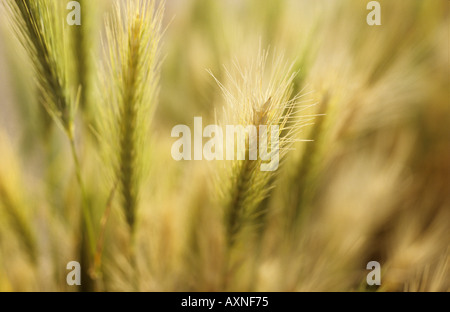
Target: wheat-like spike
131, 79
256, 95
259, 94
41, 33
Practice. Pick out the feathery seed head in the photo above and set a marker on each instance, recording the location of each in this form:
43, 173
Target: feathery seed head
129, 82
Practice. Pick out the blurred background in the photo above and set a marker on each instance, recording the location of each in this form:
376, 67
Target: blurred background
372, 185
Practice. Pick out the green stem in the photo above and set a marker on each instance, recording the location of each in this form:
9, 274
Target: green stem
85, 210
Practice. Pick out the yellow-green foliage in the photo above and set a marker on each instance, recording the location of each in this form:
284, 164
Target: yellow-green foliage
364, 170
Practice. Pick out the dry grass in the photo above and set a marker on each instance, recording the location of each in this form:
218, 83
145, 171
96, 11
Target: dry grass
364, 153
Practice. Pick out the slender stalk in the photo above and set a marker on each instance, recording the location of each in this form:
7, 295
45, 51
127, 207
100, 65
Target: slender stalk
87, 244
85, 205
101, 237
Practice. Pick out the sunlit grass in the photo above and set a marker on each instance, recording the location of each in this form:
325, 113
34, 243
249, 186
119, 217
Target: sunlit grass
366, 180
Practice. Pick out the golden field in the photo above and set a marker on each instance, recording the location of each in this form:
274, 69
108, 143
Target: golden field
87, 175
